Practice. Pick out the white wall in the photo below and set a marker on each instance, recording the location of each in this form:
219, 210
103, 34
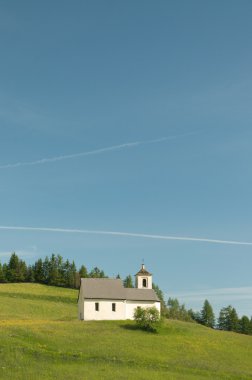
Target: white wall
132, 305
124, 309
105, 310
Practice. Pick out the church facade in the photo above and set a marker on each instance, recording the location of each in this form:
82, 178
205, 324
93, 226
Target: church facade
107, 299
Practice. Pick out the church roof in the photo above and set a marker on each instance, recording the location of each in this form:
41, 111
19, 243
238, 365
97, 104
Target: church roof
113, 289
143, 272
106, 288
133, 294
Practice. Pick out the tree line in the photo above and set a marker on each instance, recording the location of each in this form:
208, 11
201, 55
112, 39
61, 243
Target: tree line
227, 320
52, 270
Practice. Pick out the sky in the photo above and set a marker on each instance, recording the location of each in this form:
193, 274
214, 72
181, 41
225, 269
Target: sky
123, 125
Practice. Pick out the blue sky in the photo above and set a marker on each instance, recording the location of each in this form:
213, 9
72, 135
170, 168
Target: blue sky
159, 96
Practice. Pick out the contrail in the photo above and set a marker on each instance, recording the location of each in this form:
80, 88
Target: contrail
93, 152
124, 234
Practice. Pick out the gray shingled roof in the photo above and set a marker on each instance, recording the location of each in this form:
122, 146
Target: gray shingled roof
107, 288
133, 294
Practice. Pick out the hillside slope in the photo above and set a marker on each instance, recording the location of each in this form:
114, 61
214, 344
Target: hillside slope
41, 338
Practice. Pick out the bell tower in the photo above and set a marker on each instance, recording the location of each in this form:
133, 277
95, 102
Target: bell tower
143, 279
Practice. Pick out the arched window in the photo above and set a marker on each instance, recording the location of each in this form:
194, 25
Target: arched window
144, 283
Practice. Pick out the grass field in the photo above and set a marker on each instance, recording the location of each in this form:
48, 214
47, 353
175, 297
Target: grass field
41, 338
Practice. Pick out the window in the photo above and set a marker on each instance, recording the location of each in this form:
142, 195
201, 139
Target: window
144, 283
97, 306
113, 307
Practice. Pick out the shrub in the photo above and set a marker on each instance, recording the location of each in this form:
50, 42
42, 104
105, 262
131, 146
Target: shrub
147, 318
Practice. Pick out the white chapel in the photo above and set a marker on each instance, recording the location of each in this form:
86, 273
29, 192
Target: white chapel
107, 299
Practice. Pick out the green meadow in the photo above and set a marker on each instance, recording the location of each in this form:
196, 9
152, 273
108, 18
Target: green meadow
41, 338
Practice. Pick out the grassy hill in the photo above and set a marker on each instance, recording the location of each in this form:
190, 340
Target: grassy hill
41, 338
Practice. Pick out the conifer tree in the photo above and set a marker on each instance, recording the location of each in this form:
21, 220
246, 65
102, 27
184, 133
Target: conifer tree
177, 311
53, 276
39, 272
61, 270
74, 276
30, 274
12, 268
161, 298
83, 272
5, 271
223, 320
2, 274
46, 270
21, 271
244, 325
234, 320
128, 282
228, 319
195, 315
96, 273
207, 317
16, 269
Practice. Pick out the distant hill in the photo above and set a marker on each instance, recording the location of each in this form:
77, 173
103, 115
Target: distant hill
41, 338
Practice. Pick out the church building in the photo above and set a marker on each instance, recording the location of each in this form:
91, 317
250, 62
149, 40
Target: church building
107, 299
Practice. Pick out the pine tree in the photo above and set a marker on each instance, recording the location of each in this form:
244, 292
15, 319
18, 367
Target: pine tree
195, 315
160, 295
71, 275
54, 274
46, 270
244, 325
5, 272
2, 274
234, 320
61, 270
173, 311
16, 269
83, 272
223, 320
39, 272
96, 273
12, 268
228, 319
30, 274
207, 317
128, 282
21, 273
177, 311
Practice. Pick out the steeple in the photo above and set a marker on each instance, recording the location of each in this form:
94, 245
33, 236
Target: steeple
143, 279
